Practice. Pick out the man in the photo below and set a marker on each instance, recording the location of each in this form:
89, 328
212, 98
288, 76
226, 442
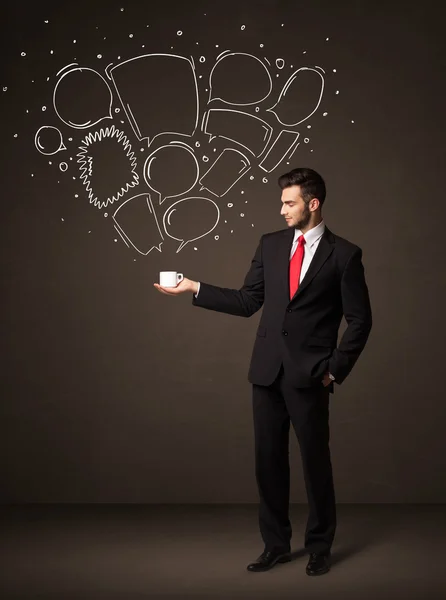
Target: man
306, 278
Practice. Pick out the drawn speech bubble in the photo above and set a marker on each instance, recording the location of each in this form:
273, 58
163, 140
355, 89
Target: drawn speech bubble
48, 140
171, 170
190, 219
82, 98
300, 97
137, 224
239, 78
159, 94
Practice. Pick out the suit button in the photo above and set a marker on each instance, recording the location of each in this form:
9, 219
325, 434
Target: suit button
284, 332
289, 310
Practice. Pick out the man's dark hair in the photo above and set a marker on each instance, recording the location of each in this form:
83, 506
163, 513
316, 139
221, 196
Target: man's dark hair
311, 183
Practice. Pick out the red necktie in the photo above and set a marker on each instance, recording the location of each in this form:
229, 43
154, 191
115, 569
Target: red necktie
296, 265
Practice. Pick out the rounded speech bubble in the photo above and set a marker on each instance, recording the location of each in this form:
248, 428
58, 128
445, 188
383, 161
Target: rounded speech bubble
251, 84
48, 140
190, 219
300, 97
171, 170
93, 98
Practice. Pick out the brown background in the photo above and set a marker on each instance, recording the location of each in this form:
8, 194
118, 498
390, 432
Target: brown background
112, 392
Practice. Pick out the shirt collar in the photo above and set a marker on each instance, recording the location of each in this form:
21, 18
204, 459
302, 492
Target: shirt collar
312, 235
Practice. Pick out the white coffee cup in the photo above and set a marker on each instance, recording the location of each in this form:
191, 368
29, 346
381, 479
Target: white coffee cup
170, 278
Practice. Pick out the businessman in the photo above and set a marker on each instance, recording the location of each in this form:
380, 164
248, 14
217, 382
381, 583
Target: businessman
306, 278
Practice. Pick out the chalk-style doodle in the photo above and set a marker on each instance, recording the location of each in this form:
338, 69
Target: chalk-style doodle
251, 132
190, 219
107, 165
92, 93
284, 143
150, 101
137, 224
300, 97
48, 140
253, 83
177, 158
228, 168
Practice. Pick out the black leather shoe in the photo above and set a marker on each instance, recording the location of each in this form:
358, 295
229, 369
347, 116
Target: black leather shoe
318, 564
268, 559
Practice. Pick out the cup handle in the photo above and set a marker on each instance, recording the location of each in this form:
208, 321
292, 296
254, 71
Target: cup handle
180, 278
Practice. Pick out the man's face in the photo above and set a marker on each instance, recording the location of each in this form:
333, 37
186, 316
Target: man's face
294, 209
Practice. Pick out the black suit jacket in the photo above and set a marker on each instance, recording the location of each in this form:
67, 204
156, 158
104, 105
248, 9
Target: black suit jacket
302, 332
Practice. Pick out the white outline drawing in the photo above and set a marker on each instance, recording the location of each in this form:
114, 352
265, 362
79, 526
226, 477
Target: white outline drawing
284, 91
125, 237
39, 146
87, 123
224, 55
291, 146
265, 125
66, 67
128, 111
169, 212
242, 171
294, 150
86, 163
151, 157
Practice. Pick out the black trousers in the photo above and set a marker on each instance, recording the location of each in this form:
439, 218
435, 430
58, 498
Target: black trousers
274, 407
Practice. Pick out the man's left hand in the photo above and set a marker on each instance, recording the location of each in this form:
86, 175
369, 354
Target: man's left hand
326, 381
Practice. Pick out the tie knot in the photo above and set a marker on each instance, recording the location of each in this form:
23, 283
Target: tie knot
301, 240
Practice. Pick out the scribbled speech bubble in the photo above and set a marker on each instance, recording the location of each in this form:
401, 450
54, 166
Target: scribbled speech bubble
107, 165
150, 88
137, 224
190, 219
228, 168
239, 78
300, 97
171, 170
82, 98
243, 128
48, 140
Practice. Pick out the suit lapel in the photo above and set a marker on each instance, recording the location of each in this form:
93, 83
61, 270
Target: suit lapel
323, 251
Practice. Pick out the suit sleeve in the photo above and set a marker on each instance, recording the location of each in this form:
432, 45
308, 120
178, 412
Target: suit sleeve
241, 303
358, 314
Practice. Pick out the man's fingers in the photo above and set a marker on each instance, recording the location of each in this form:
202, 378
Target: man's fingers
164, 290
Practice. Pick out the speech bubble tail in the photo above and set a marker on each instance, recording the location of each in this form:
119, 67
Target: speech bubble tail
161, 200
107, 70
181, 246
62, 147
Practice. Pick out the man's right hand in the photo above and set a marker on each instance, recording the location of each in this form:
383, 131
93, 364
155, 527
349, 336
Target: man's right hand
187, 285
